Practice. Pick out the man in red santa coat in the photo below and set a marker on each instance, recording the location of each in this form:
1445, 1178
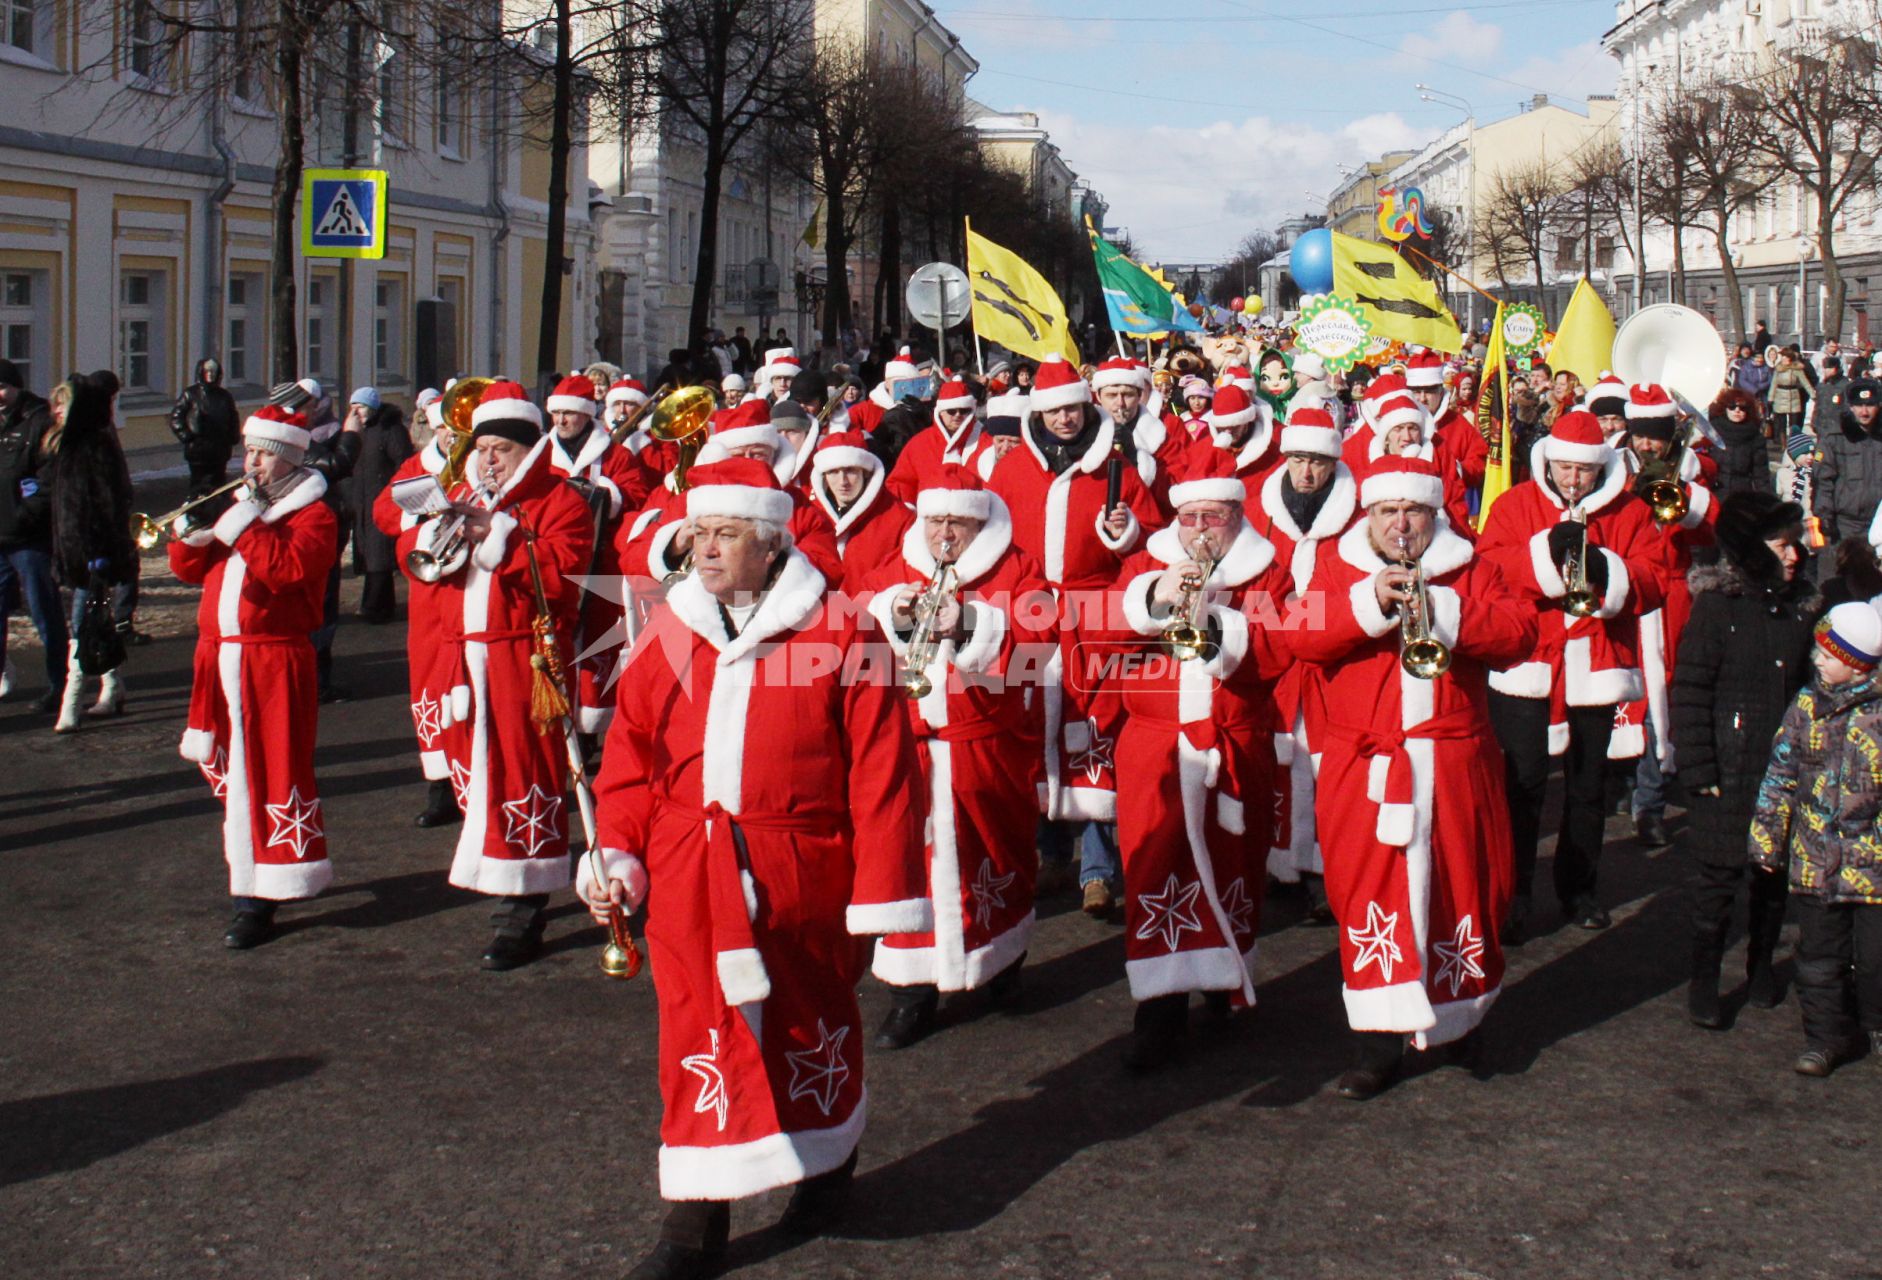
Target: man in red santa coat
760, 792
847, 484
1242, 428
1307, 500
1197, 745
1653, 458
1455, 428
953, 440
1412, 821
613, 481
1402, 428
433, 621
510, 777
1055, 486
1157, 444
1576, 515
980, 750
624, 399
263, 568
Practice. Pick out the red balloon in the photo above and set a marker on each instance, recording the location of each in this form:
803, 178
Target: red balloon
1236, 304
1195, 309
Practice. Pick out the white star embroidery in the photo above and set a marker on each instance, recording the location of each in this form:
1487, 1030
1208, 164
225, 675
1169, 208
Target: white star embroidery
460, 783
1096, 758
818, 1074
295, 823
217, 771
1375, 941
712, 1095
529, 823
1170, 914
427, 717
989, 893
1457, 959
1238, 906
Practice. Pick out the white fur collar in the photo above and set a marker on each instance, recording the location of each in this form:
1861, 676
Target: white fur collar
956, 447
592, 448
1094, 456
1613, 479
432, 458
1334, 514
790, 602
979, 556
1426, 448
1149, 431
1447, 553
879, 394
864, 501
308, 488
1247, 555
1259, 437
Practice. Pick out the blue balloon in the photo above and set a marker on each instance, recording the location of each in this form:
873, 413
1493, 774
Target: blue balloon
1310, 261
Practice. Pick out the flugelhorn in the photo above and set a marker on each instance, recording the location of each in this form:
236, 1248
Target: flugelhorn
1184, 635
1420, 652
448, 548
149, 531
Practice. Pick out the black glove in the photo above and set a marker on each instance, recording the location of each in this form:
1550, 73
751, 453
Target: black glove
1565, 539
1597, 570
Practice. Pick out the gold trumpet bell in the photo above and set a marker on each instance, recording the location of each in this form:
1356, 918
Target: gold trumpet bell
1186, 641
1426, 659
1667, 498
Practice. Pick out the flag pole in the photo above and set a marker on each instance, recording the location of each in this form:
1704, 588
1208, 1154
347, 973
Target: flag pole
980, 358
1481, 291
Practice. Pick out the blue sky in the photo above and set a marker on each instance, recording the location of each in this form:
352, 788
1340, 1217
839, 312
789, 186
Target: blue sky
1203, 120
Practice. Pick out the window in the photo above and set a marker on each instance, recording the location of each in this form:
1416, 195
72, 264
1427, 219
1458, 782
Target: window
323, 337
141, 331
23, 327
388, 331
245, 303
147, 43
246, 87
448, 107
673, 244
26, 25
392, 89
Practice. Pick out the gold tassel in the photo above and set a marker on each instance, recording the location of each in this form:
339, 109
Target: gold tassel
547, 702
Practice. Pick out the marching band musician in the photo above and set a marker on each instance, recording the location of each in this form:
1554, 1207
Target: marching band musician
979, 747
847, 482
1055, 488
1242, 427
1402, 428
1006, 417
1642, 726
759, 792
432, 615
625, 397
1454, 432
613, 481
953, 440
1575, 519
1311, 498
521, 520
263, 568
1155, 443
1419, 878
1197, 745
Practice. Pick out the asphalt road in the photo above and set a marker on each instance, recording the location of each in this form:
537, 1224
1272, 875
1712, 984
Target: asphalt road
359, 1099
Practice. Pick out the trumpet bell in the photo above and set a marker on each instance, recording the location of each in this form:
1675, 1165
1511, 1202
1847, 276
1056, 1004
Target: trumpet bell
1581, 604
1668, 500
1186, 641
423, 566
1425, 659
917, 685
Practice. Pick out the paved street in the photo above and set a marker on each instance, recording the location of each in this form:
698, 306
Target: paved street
358, 1099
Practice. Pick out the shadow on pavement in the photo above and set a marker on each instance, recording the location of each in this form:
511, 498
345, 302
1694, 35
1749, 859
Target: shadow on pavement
394, 900
66, 1131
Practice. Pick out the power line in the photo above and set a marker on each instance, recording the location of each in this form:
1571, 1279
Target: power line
1355, 15
1191, 102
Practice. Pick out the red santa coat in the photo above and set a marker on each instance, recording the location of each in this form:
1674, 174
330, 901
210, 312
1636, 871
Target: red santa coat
769, 782
601, 628
980, 760
1660, 628
1462, 445
1197, 745
1414, 824
1363, 450
1299, 710
866, 414
510, 779
1161, 454
869, 534
1257, 455
1578, 662
253, 703
923, 459
1059, 521
434, 619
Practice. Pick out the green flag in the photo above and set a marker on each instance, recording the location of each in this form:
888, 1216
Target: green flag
1139, 307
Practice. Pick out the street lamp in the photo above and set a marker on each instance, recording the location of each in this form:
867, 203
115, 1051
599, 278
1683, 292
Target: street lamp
1803, 282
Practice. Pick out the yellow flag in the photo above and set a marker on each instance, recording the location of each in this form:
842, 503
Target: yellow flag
1492, 416
1014, 305
1400, 303
1584, 341
813, 232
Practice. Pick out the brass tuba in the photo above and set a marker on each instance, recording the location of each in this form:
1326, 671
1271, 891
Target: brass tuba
457, 408
682, 419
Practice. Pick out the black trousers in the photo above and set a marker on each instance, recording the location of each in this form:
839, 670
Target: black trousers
376, 597
1522, 727
518, 913
207, 477
1839, 969
1714, 887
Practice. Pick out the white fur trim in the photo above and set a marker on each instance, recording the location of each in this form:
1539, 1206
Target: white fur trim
1123, 541
1524, 680
1447, 613
1585, 687
1322, 441
977, 558
1629, 742
571, 404
1403, 1006
719, 447
1212, 489
1698, 502
1400, 486
1558, 738
1542, 565
984, 641
198, 746
256, 428
910, 915
742, 976
1364, 599
1073, 392
741, 1169
1614, 599
1454, 1019
616, 864
971, 504
1225, 421
491, 551
1216, 969
505, 410
739, 501
1233, 626
1136, 603
233, 522
833, 456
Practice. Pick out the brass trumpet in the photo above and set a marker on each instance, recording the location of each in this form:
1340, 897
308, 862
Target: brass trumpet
150, 531
925, 608
1184, 635
1580, 600
1420, 652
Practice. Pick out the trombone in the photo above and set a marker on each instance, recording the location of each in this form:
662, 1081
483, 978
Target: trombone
619, 435
149, 531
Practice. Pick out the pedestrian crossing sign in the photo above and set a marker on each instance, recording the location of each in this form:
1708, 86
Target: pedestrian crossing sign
343, 213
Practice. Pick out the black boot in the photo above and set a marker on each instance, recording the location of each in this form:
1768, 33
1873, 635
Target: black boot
1761, 930
818, 1203
1157, 1031
1319, 910
1702, 991
1378, 1057
911, 1017
518, 940
252, 926
691, 1245
1515, 930
440, 806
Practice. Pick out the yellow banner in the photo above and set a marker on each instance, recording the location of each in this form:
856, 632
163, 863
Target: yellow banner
1492, 414
1400, 303
1014, 305
1584, 341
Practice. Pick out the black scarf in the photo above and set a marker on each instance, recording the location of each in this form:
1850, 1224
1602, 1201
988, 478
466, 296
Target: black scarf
1303, 507
572, 445
1060, 455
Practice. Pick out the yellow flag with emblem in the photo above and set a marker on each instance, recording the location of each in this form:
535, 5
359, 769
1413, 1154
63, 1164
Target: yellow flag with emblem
1014, 305
1400, 303
1491, 415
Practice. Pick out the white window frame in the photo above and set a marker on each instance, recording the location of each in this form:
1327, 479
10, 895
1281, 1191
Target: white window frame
251, 340
27, 320
39, 18
152, 47
448, 122
324, 313
142, 329
388, 332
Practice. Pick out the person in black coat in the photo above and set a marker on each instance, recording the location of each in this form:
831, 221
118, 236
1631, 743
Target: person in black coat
384, 443
206, 422
1745, 461
1742, 657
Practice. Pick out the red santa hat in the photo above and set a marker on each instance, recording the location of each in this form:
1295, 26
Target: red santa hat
574, 394
1609, 395
504, 411
956, 492
273, 429
1396, 411
902, 366
1424, 370
844, 449
1233, 408
746, 424
1310, 429
1384, 386
1237, 375
1211, 478
1118, 371
953, 395
1649, 400
780, 362
1396, 478
628, 389
743, 488
1576, 437
1057, 384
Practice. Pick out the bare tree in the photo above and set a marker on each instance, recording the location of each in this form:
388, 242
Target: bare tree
1524, 212
1241, 274
1701, 163
1600, 197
